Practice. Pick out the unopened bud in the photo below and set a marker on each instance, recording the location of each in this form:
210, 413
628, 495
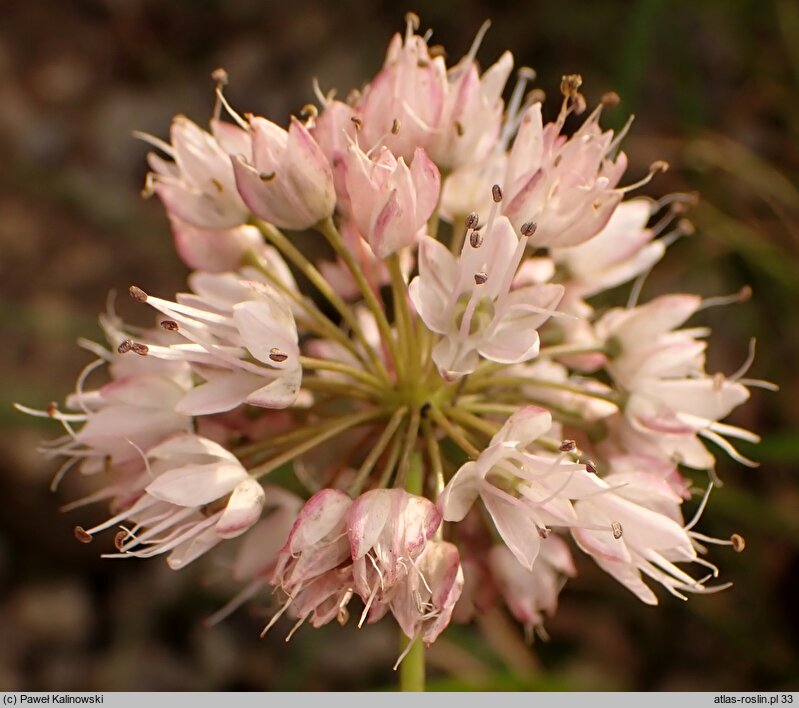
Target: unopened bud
496, 193
137, 293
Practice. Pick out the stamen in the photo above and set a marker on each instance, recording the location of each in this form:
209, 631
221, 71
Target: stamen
395, 126
137, 293
472, 220
570, 84
357, 122
738, 542
617, 529
480, 278
276, 355
697, 515
125, 346
139, 348
590, 467
610, 99
82, 535
743, 295
266, 176
170, 325
529, 228
496, 193
475, 239
568, 446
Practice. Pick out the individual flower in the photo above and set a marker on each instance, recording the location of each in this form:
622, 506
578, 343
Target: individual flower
623, 249
314, 568
240, 336
389, 201
470, 121
198, 186
470, 303
174, 511
424, 601
532, 593
388, 530
402, 106
286, 178
524, 492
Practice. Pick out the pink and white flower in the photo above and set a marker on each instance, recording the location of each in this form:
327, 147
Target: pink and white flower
198, 186
532, 593
470, 303
286, 178
389, 201
241, 337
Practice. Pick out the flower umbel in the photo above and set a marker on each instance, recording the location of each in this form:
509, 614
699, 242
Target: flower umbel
448, 365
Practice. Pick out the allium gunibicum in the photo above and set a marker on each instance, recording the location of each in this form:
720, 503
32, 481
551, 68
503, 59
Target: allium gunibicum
459, 413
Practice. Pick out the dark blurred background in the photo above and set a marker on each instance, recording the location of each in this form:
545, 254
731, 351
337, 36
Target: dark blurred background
714, 87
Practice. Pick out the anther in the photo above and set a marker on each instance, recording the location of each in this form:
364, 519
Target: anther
276, 355
52, 409
610, 99
480, 278
718, 380
745, 294
686, 227
590, 467
568, 446
659, 166
357, 122
475, 239
570, 84
119, 539
139, 348
437, 51
353, 97
220, 76
738, 542
529, 228
395, 126
137, 293
266, 176
579, 104
472, 220
170, 325
496, 193
544, 531
537, 95
413, 20
82, 535
459, 131
617, 530
217, 184
125, 346
309, 110
526, 73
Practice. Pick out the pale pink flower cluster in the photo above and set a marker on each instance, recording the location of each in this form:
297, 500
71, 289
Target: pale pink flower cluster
448, 361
